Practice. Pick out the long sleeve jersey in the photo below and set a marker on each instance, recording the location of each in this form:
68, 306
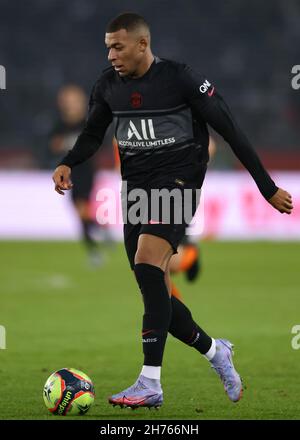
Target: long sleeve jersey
160, 124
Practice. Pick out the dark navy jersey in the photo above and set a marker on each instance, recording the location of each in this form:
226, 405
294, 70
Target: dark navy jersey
160, 123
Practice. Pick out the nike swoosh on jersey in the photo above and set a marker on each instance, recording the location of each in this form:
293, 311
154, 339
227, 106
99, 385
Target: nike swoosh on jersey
211, 92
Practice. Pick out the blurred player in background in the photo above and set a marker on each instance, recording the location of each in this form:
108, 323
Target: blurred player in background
72, 107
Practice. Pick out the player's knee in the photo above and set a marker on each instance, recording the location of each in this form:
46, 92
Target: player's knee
153, 251
147, 256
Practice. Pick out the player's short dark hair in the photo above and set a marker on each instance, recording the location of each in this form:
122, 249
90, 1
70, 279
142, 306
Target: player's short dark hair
129, 21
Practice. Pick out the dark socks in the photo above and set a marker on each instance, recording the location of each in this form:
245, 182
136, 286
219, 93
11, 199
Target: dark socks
184, 328
163, 315
86, 231
157, 316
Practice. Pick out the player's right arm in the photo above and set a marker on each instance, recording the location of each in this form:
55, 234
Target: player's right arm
88, 142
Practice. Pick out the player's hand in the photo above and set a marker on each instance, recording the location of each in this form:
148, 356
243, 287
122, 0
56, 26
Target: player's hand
282, 201
62, 179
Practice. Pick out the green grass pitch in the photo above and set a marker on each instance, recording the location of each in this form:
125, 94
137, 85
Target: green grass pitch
59, 313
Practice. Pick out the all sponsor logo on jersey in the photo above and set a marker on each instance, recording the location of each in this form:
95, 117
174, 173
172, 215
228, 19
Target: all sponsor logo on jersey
142, 134
146, 134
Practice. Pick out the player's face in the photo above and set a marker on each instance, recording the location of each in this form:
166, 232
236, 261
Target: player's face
126, 51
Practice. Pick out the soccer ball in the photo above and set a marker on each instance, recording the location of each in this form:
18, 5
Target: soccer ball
68, 391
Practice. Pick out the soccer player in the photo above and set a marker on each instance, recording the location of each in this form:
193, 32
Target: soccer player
160, 110
72, 104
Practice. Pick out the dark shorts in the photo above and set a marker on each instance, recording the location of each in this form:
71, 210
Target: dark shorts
172, 228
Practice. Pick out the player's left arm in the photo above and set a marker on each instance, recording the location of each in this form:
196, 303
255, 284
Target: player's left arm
208, 105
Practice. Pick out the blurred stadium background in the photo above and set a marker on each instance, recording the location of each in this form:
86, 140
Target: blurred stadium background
247, 49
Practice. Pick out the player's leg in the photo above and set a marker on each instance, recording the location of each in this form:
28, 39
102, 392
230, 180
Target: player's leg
191, 262
218, 352
186, 260
154, 249
82, 178
163, 315
183, 327
87, 226
82, 209
150, 262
